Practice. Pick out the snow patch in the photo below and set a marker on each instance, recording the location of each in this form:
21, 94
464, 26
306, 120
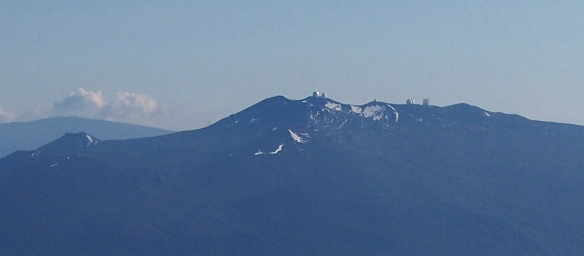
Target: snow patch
53, 165
394, 111
297, 137
314, 116
375, 112
89, 138
278, 150
333, 106
487, 114
356, 109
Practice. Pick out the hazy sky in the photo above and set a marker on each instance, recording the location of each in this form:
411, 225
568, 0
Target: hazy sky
184, 64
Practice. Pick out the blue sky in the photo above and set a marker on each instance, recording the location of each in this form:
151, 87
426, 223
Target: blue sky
198, 61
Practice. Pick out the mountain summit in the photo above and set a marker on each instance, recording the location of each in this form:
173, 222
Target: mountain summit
321, 112
70, 143
306, 177
30, 135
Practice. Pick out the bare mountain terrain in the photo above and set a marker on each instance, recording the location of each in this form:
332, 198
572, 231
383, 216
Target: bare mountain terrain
305, 177
31, 135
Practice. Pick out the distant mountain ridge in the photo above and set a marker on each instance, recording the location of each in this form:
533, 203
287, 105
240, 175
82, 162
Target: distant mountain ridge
306, 177
30, 135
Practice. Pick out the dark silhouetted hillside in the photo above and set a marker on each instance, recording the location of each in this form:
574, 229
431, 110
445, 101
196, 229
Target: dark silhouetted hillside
306, 177
31, 135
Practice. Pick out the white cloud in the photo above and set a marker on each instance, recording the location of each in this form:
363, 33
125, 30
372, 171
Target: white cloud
131, 107
81, 102
6, 116
125, 106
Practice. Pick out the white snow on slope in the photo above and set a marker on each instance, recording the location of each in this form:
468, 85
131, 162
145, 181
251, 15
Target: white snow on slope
356, 109
333, 106
278, 150
275, 152
314, 116
297, 137
396, 113
375, 112
487, 114
90, 140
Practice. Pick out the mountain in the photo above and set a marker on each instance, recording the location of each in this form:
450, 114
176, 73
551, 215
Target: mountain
306, 177
31, 135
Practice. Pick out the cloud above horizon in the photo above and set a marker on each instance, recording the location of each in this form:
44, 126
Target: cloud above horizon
6, 116
125, 106
81, 102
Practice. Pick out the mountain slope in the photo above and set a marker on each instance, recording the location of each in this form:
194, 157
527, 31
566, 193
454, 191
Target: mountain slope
306, 177
30, 135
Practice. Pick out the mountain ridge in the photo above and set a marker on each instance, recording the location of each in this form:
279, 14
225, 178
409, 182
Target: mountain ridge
286, 178
31, 135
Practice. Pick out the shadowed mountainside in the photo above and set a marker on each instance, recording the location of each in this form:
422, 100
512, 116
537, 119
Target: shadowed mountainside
306, 177
31, 135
